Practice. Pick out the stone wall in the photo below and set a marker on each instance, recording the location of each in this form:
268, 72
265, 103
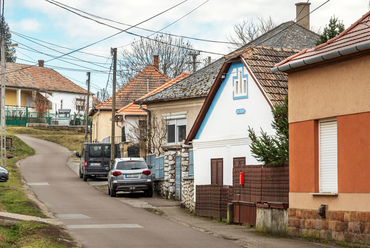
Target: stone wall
166, 187
187, 200
341, 226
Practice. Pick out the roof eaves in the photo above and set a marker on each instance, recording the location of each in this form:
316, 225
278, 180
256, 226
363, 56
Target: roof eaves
321, 58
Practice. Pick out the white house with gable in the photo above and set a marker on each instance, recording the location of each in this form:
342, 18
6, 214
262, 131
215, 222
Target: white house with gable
242, 96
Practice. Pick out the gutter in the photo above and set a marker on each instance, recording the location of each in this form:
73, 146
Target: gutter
321, 58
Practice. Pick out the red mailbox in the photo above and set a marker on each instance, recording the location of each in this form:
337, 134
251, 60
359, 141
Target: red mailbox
241, 178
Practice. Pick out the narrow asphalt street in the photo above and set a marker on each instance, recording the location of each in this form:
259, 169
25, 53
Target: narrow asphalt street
96, 220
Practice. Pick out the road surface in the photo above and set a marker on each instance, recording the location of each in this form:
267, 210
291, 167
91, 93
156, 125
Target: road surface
95, 219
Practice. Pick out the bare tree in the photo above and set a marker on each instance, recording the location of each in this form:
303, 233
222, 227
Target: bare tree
173, 56
102, 95
246, 31
150, 138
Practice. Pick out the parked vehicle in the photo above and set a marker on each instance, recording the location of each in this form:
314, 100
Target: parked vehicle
130, 175
4, 175
95, 159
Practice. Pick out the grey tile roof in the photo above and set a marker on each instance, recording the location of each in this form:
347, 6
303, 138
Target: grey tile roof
286, 35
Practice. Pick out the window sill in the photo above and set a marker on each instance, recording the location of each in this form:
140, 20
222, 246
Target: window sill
324, 194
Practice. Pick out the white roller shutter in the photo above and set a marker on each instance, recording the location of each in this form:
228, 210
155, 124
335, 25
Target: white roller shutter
328, 157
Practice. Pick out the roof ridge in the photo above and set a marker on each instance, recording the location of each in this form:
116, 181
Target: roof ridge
343, 33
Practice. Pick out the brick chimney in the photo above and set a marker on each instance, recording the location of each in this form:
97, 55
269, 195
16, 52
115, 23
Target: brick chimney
303, 14
156, 61
41, 63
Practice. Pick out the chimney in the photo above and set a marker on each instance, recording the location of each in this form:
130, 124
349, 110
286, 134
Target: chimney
156, 61
41, 63
303, 14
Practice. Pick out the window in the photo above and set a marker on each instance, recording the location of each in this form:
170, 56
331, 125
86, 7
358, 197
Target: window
328, 157
217, 172
175, 128
80, 104
240, 84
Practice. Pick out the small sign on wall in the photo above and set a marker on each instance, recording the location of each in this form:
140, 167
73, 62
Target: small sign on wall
240, 111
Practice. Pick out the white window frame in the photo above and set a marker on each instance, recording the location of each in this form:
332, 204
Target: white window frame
178, 119
328, 156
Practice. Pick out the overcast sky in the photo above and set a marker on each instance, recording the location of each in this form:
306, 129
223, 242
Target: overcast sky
213, 20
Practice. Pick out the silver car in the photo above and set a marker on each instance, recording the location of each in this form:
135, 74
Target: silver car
4, 175
130, 175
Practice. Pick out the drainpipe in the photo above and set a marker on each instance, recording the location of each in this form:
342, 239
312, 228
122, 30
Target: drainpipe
149, 125
97, 125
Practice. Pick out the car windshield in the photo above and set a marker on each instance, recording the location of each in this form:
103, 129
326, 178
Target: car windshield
131, 165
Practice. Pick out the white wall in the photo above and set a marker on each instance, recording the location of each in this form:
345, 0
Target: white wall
68, 101
225, 133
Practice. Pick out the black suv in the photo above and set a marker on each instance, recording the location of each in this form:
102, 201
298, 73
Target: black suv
95, 159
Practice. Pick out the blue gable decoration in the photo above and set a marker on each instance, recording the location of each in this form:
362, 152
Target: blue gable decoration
240, 82
239, 66
240, 111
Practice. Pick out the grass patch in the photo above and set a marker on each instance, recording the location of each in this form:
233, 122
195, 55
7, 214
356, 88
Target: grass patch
71, 139
35, 234
14, 200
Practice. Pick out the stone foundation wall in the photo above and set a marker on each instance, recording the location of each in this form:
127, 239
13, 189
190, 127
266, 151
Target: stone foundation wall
342, 226
187, 200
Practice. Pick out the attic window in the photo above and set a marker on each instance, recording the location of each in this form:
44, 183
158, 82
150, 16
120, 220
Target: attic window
240, 84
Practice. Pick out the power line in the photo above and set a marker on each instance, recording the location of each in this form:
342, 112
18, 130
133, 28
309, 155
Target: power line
94, 43
49, 43
150, 30
123, 30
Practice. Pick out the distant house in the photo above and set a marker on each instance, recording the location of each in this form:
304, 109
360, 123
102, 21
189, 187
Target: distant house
242, 96
42, 89
134, 119
329, 137
145, 81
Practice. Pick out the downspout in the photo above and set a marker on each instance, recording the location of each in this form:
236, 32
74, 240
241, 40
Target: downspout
149, 125
97, 125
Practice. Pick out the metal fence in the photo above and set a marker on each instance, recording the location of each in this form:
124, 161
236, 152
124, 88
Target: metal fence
21, 116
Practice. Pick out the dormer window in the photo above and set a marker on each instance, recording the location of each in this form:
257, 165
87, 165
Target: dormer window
240, 84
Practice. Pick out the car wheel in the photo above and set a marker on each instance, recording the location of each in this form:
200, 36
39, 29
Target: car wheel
113, 193
108, 189
84, 177
80, 173
149, 193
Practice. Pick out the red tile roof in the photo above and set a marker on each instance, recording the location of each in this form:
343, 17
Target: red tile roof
38, 78
137, 87
134, 109
352, 40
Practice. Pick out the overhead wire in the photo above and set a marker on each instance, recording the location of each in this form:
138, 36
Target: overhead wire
126, 30
148, 30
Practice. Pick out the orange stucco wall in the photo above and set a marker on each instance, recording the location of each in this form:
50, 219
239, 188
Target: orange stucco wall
303, 154
332, 90
354, 153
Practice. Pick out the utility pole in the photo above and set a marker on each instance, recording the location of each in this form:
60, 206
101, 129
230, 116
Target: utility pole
87, 105
112, 150
3, 130
194, 55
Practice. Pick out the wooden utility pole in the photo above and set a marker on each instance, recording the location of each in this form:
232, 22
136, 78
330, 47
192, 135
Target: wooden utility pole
3, 130
87, 105
194, 55
112, 150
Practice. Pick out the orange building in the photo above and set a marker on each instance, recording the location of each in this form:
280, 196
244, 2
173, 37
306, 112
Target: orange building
329, 132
